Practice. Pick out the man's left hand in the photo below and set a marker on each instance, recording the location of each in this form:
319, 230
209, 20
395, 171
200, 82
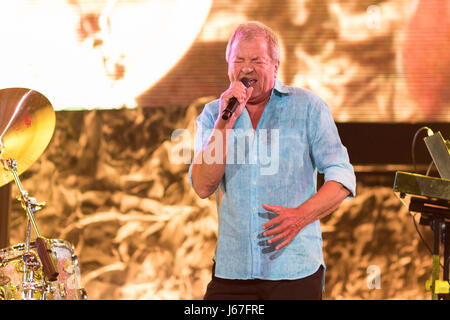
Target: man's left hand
289, 220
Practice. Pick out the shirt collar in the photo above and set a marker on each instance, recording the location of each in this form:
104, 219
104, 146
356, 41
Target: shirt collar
280, 87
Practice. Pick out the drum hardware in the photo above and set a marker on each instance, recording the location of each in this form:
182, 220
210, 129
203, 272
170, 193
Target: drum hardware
31, 263
4, 280
27, 121
8, 291
29, 205
66, 287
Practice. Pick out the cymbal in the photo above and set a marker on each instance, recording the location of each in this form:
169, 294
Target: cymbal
27, 122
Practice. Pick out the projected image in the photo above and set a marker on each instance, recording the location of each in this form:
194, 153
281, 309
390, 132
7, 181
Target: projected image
376, 61
85, 54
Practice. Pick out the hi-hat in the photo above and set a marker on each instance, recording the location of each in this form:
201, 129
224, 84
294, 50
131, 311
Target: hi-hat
27, 122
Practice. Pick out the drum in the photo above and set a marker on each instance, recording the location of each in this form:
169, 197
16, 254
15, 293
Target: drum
16, 284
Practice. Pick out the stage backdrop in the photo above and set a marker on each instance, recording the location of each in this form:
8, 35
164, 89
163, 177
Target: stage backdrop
108, 178
371, 60
140, 231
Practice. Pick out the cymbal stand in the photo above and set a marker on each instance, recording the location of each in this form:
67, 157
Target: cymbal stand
31, 261
27, 203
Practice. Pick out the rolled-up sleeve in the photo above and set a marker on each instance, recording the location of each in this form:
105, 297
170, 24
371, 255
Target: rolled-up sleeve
327, 151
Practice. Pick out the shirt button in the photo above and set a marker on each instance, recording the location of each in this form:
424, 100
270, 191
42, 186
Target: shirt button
254, 209
254, 183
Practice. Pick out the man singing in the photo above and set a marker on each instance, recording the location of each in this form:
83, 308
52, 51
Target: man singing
262, 165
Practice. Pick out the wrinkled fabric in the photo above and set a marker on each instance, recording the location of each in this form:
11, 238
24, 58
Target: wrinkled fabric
276, 164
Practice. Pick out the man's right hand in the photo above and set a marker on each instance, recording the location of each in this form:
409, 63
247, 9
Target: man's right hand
238, 90
206, 175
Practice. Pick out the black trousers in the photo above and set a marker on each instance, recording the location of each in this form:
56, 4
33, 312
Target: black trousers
308, 288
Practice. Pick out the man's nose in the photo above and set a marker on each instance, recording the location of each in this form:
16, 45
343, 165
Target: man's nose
247, 68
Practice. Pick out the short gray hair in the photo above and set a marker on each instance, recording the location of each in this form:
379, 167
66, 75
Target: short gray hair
252, 29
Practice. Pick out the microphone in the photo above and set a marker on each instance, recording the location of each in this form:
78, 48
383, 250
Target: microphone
232, 105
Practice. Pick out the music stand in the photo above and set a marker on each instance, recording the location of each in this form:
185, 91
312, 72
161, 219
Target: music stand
435, 212
430, 196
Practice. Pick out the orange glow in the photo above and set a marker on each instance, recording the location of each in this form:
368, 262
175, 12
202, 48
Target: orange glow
386, 61
127, 47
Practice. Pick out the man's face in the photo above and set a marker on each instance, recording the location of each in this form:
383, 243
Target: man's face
251, 59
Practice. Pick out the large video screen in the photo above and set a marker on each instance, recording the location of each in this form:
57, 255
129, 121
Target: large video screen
371, 61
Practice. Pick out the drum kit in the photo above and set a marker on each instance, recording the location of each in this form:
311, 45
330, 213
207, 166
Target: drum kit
43, 269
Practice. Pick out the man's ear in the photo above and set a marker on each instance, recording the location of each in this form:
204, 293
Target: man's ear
277, 65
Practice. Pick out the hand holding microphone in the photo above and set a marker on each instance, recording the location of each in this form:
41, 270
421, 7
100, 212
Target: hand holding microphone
233, 103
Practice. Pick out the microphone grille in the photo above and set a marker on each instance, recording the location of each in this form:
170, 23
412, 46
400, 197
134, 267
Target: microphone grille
246, 82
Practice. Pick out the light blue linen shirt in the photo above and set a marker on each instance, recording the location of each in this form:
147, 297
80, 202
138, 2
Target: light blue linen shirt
275, 164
